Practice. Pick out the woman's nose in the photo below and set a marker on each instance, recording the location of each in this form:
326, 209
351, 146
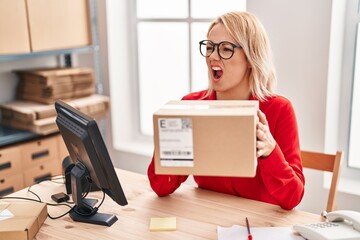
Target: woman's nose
215, 54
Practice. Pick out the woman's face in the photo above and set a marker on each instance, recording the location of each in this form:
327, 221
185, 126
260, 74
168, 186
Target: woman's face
229, 78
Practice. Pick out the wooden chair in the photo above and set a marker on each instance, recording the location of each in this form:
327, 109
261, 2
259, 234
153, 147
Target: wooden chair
328, 163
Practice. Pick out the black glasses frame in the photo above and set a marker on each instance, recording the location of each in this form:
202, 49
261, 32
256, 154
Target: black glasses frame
216, 45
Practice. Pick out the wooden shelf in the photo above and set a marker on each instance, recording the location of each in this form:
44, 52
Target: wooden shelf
10, 57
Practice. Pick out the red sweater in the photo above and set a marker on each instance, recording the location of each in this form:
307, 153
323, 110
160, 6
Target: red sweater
279, 178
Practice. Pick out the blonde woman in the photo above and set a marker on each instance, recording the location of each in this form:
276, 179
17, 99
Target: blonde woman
240, 67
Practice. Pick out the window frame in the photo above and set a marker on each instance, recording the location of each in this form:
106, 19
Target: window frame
349, 173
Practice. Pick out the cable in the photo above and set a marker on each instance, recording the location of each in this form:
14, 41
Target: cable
39, 201
72, 208
43, 180
21, 198
93, 209
38, 197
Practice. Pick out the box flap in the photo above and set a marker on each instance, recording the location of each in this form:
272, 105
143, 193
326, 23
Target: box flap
209, 108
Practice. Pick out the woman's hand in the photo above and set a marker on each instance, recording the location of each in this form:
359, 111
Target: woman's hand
265, 143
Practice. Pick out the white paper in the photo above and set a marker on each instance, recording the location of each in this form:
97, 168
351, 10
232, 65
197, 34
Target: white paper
5, 214
237, 232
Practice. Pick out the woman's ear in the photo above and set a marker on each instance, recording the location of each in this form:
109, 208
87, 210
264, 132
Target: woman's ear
248, 63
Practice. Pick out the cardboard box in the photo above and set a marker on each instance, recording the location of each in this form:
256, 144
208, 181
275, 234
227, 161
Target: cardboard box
44, 126
58, 24
26, 221
40, 118
211, 138
29, 112
94, 106
56, 76
13, 27
66, 91
48, 85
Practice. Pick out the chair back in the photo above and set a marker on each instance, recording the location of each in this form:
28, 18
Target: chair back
325, 162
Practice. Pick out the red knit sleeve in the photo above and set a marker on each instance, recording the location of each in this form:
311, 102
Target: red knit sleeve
163, 184
166, 184
281, 171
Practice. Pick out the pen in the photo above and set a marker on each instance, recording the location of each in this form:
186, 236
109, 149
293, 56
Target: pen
248, 229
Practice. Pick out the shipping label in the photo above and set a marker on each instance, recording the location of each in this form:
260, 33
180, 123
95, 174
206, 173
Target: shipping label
176, 142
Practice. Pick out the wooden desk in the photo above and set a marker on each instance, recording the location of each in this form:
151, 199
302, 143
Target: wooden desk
198, 213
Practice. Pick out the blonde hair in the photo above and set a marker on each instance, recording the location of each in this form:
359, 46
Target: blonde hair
247, 30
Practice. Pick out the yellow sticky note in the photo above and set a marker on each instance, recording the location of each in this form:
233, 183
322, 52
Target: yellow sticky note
162, 224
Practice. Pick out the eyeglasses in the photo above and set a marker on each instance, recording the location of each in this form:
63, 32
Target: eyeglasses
225, 49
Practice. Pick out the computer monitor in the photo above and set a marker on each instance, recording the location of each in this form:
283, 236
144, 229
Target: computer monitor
91, 162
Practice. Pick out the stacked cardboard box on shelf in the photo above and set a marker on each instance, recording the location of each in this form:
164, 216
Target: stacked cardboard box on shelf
40, 118
37, 91
48, 85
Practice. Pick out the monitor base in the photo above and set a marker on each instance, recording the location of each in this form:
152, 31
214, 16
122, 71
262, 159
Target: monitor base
97, 218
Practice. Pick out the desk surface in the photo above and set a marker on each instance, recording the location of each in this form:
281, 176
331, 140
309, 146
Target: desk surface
198, 213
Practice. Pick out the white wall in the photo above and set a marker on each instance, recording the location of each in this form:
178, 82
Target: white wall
299, 34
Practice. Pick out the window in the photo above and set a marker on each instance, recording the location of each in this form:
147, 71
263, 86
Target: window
354, 128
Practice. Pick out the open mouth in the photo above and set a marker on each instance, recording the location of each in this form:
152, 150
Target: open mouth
217, 72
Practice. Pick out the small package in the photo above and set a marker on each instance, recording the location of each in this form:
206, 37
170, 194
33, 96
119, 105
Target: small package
209, 138
21, 220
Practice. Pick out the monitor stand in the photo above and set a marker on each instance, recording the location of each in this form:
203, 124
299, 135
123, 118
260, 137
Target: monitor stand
84, 210
97, 218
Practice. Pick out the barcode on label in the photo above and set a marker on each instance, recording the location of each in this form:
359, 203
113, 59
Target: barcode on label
176, 153
186, 123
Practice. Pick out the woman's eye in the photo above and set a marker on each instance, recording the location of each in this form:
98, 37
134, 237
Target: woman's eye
227, 49
209, 48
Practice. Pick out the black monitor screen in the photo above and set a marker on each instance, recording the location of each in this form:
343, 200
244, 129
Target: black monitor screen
91, 162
